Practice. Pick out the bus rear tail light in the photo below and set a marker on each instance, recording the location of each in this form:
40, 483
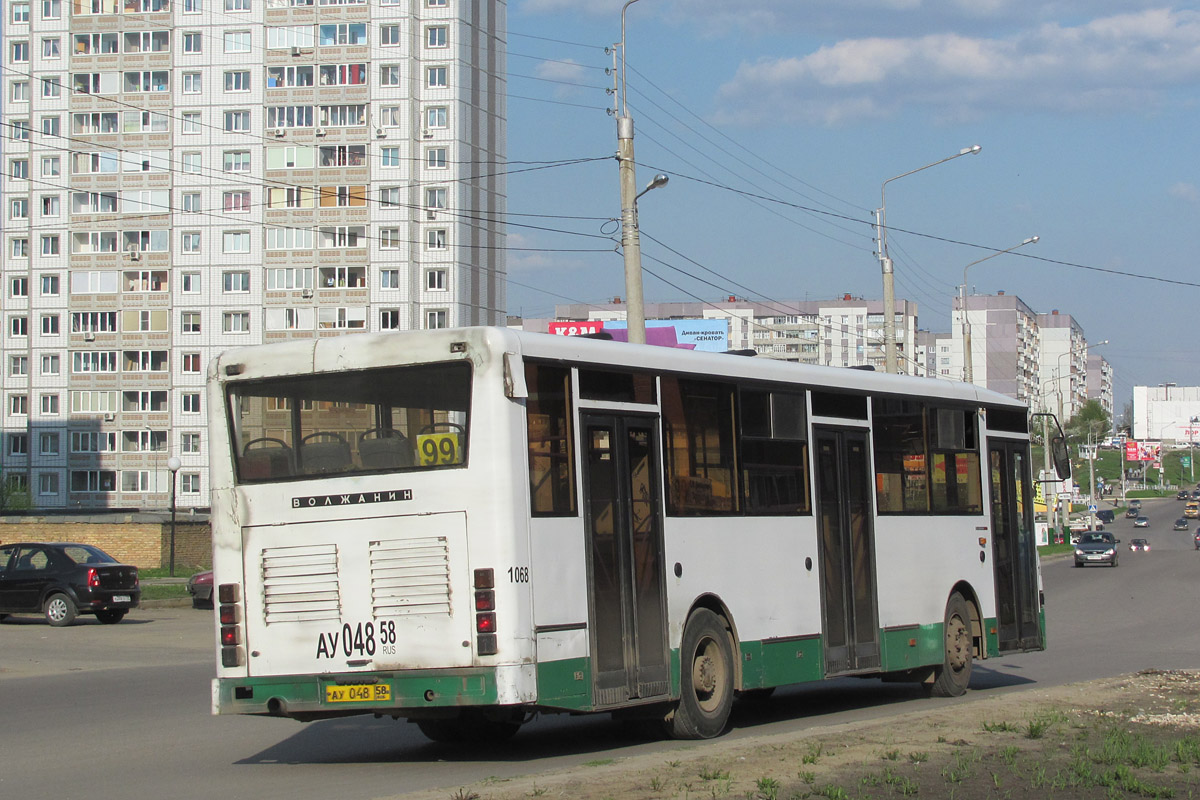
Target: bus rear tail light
485, 613
229, 596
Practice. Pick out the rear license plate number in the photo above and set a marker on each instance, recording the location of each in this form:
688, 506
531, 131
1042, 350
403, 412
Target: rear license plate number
121, 598
358, 693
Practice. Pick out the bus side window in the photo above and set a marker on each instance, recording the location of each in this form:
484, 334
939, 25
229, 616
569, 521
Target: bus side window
551, 441
774, 453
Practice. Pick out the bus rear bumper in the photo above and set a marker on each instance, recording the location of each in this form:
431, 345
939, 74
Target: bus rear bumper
307, 697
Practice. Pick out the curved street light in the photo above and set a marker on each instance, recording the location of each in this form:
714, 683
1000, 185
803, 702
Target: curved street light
885, 261
968, 355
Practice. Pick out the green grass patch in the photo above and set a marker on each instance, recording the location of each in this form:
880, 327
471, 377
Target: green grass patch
155, 573
171, 591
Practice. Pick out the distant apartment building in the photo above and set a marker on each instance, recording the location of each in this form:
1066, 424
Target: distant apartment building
1005, 345
1166, 413
185, 176
846, 332
1063, 364
1100, 382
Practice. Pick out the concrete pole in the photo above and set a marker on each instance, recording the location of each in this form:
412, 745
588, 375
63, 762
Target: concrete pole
631, 246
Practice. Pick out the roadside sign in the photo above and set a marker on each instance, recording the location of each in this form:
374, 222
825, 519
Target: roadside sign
1092, 507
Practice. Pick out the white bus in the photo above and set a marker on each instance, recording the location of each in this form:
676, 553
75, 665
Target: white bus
465, 527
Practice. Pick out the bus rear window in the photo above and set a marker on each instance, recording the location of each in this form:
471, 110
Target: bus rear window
348, 423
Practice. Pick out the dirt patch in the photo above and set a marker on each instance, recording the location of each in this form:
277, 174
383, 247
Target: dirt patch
1131, 736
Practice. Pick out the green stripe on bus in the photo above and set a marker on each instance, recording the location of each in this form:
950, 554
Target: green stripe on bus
565, 684
911, 646
777, 662
306, 693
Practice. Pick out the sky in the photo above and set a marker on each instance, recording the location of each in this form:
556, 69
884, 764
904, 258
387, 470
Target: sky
779, 121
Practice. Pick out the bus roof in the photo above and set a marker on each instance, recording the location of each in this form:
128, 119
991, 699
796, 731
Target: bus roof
373, 350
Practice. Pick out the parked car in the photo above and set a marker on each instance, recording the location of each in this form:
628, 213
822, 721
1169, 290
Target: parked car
1141, 522
1139, 544
200, 587
1181, 524
62, 580
1096, 548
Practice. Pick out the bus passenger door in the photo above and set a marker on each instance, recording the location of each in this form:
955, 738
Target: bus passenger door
1014, 552
626, 595
846, 549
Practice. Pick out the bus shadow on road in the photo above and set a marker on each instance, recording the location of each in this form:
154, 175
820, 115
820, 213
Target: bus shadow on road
367, 740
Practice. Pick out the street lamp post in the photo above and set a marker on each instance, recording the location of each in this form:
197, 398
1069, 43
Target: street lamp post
968, 356
885, 261
173, 464
631, 247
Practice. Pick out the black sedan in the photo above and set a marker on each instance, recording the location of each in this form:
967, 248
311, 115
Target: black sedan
1181, 524
1096, 548
62, 580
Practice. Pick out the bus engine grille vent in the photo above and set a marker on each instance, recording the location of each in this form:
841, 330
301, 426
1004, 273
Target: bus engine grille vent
300, 584
411, 576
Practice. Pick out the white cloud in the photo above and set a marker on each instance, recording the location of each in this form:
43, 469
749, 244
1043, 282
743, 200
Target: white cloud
1187, 192
569, 76
1106, 65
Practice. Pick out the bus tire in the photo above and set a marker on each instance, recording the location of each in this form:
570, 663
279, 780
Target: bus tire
953, 676
706, 678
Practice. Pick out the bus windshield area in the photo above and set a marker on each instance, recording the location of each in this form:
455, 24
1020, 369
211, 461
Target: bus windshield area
348, 423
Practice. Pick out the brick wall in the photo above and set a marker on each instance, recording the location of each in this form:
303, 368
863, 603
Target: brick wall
143, 540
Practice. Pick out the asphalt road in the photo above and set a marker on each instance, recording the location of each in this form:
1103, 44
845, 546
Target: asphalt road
96, 711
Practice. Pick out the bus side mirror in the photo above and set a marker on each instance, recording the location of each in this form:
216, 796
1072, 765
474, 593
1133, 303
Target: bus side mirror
1062, 458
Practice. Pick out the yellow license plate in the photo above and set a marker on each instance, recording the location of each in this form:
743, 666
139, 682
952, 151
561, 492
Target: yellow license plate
358, 693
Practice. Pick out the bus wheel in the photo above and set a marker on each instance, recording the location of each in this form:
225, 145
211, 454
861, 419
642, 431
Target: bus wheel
706, 678
469, 727
952, 677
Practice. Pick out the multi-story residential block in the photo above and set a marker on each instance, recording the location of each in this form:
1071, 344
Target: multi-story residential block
1005, 345
185, 176
844, 332
1100, 382
1063, 364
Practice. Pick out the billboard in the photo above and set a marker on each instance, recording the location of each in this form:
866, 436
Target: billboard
709, 335
1140, 451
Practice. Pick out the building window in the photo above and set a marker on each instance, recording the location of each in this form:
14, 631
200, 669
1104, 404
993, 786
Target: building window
51, 49
50, 325
47, 483
389, 279
50, 405
435, 318
192, 83
18, 366
50, 365
18, 444
190, 201
18, 405
435, 197
235, 282
18, 326
236, 161
191, 402
435, 158
193, 43
389, 197
20, 13
50, 245
389, 75
20, 248
435, 36
20, 91
191, 362
436, 117
435, 280
50, 285
237, 41
435, 239
238, 202
190, 241
389, 239
19, 287
190, 284
52, 87
237, 121
20, 52
235, 242
189, 483
435, 77
235, 322
192, 163
50, 205
189, 321
389, 157
389, 319
389, 35
191, 122
48, 443
50, 166
238, 81
190, 443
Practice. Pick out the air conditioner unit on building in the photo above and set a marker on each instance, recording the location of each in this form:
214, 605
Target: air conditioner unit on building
320, 131
306, 293
279, 132
110, 417
134, 255
295, 51
431, 215
89, 336
380, 133
427, 134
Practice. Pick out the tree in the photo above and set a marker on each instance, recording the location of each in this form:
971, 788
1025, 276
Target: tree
1091, 423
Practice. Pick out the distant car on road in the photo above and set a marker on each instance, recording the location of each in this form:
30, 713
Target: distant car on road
1096, 548
200, 587
62, 580
1141, 522
1135, 503
1139, 544
1132, 513
1181, 524
1106, 515
1183, 494
1198, 541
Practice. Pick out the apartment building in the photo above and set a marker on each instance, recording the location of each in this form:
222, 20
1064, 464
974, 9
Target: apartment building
842, 332
185, 176
1005, 345
1100, 382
